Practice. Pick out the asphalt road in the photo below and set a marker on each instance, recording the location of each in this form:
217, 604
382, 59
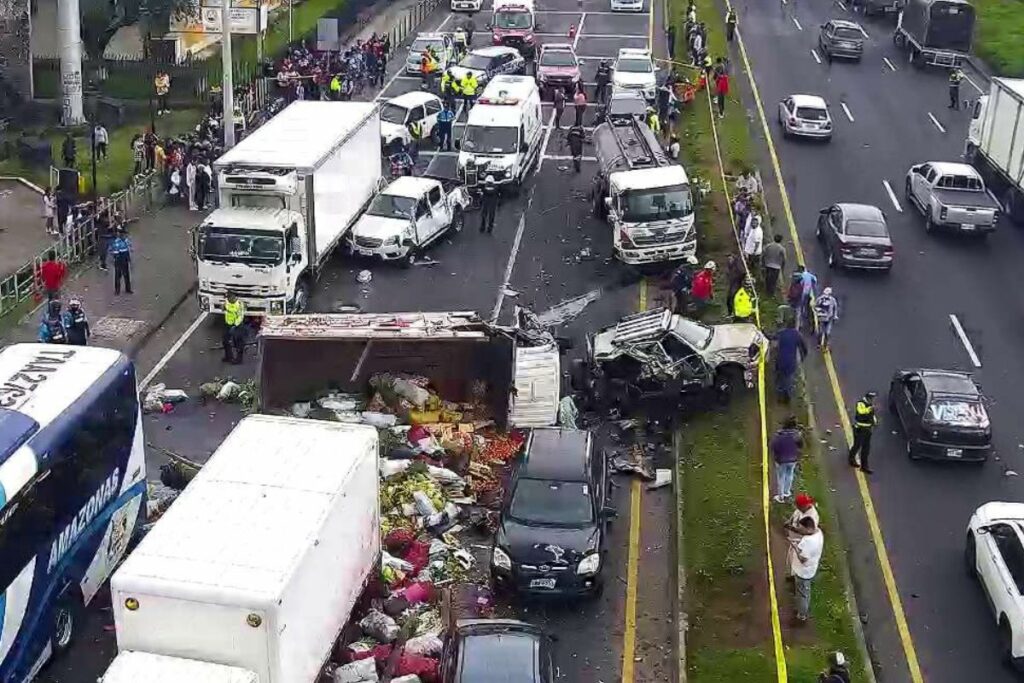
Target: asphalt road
903, 319
535, 258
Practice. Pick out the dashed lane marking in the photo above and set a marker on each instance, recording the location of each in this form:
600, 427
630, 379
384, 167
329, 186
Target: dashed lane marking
936, 122
888, 63
814, 53
846, 110
796, 23
964, 340
892, 196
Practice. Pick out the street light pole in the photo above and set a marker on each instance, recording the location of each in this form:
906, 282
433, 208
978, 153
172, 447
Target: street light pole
227, 90
147, 52
93, 156
290, 38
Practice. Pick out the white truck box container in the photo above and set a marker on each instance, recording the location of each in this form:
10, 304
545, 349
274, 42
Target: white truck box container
259, 562
136, 667
996, 139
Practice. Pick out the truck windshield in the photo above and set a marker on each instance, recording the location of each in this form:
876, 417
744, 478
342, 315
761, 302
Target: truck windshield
256, 201
490, 140
392, 113
390, 206
656, 204
241, 246
516, 20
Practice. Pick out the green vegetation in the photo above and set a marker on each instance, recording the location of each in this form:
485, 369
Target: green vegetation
730, 635
114, 173
1000, 35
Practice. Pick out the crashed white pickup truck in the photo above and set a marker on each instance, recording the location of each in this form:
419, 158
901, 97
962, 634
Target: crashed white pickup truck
409, 215
952, 196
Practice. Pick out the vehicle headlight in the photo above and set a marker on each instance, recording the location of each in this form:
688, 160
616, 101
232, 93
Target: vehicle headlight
500, 559
589, 564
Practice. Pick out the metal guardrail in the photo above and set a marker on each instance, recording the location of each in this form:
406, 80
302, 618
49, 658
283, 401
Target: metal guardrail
78, 243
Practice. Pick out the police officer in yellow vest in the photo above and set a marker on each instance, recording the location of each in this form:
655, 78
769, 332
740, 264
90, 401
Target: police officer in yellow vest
233, 340
335, 87
468, 86
447, 85
742, 305
653, 122
864, 421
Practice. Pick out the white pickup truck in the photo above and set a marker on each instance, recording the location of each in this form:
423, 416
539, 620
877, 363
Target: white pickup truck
952, 196
408, 216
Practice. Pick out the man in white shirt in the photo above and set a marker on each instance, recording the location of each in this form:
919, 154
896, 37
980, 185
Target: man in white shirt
190, 184
753, 242
803, 563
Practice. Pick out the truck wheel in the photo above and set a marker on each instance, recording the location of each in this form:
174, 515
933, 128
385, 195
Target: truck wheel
458, 222
908, 191
929, 224
409, 259
65, 621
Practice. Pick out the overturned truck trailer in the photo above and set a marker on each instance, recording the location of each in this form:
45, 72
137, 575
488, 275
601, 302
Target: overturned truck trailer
518, 367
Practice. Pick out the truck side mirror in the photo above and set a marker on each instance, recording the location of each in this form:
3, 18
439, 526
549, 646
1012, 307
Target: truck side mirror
608, 203
523, 148
296, 257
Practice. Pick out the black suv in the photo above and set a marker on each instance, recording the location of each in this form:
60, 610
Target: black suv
551, 535
497, 649
941, 414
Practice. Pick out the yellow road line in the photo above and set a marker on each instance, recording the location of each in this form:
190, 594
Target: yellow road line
781, 670
865, 493
629, 632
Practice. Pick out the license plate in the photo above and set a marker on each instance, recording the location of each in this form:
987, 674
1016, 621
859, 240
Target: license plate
955, 452
364, 252
967, 226
542, 583
866, 252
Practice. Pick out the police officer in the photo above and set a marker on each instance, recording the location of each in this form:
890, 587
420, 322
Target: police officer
121, 251
955, 76
335, 87
488, 205
653, 122
864, 421
51, 329
233, 341
575, 138
445, 120
603, 78
76, 324
415, 136
468, 86
730, 25
446, 86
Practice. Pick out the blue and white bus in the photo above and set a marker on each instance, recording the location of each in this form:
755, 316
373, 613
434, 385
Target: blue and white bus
72, 487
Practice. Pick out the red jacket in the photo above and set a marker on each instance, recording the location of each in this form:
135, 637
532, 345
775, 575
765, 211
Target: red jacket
52, 274
722, 84
703, 284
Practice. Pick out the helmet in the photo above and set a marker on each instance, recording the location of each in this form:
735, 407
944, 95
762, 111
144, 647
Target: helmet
837, 659
827, 291
74, 303
489, 180
710, 265
691, 260
650, 110
870, 394
53, 308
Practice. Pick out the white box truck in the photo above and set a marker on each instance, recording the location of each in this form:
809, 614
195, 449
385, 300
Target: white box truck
288, 193
995, 143
259, 562
134, 667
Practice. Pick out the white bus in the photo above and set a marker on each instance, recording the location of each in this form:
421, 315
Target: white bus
72, 487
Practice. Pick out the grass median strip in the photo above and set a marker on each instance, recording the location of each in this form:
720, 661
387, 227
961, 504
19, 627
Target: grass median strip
730, 634
999, 34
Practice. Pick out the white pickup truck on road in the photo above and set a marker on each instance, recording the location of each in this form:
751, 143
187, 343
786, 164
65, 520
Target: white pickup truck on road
952, 196
408, 216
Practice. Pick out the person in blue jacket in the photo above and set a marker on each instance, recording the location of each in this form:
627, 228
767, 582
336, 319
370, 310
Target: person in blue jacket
52, 329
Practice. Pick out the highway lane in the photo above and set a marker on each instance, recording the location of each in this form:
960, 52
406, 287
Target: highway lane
545, 268
902, 319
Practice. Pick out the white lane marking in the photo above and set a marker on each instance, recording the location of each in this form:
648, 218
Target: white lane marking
547, 139
579, 32
975, 85
562, 157
840, 3
814, 53
964, 340
888, 63
892, 196
512, 259
175, 347
863, 32
936, 122
797, 24
846, 110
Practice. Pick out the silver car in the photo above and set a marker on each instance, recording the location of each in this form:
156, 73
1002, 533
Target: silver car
805, 116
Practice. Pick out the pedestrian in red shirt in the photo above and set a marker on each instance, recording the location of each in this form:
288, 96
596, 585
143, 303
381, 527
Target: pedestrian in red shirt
721, 90
703, 285
52, 274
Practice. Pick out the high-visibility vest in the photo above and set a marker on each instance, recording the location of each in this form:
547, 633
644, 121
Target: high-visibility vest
234, 313
864, 415
653, 122
416, 129
335, 84
742, 306
469, 85
446, 82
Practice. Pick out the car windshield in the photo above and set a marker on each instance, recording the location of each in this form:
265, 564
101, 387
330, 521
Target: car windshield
559, 503
478, 62
390, 206
557, 58
866, 229
658, 204
490, 140
421, 44
692, 332
957, 412
811, 114
847, 33
238, 246
392, 113
513, 19
634, 66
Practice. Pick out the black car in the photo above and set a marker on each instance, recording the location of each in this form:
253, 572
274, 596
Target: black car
855, 236
942, 415
503, 650
623, 104
551, 534
841, 38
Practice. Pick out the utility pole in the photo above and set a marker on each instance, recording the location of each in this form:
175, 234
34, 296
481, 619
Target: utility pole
69, 44
227, 90
290, 38
92, 140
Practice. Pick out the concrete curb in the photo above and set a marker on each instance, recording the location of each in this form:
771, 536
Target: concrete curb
679, 615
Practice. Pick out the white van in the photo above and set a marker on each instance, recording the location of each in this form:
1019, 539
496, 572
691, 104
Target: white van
504, 132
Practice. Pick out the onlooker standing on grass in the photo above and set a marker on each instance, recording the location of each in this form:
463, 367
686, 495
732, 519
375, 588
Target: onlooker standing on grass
162, 86
803, 562
138, 153
721, 91
774, 258
49, 211
52, 274
149, 141
791, 350
101, 139
785, 446
121, 252
753, 243
68, 150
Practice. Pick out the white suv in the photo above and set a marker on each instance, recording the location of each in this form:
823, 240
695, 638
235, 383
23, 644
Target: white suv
994, 554
635, 70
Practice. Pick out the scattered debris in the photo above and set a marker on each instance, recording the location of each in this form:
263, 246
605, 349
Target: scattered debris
364, 277
662, 478
568, 310
636, 463
160, 399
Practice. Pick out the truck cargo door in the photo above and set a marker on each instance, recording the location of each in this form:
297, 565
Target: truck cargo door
537, 382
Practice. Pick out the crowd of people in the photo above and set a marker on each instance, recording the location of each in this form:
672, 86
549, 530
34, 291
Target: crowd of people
307, 74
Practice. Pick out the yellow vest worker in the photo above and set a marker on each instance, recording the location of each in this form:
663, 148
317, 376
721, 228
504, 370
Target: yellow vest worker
446, 83
864, 421
416, 130
233, 340
742, 305
469, 85
234, 313
864, 415
653, 122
